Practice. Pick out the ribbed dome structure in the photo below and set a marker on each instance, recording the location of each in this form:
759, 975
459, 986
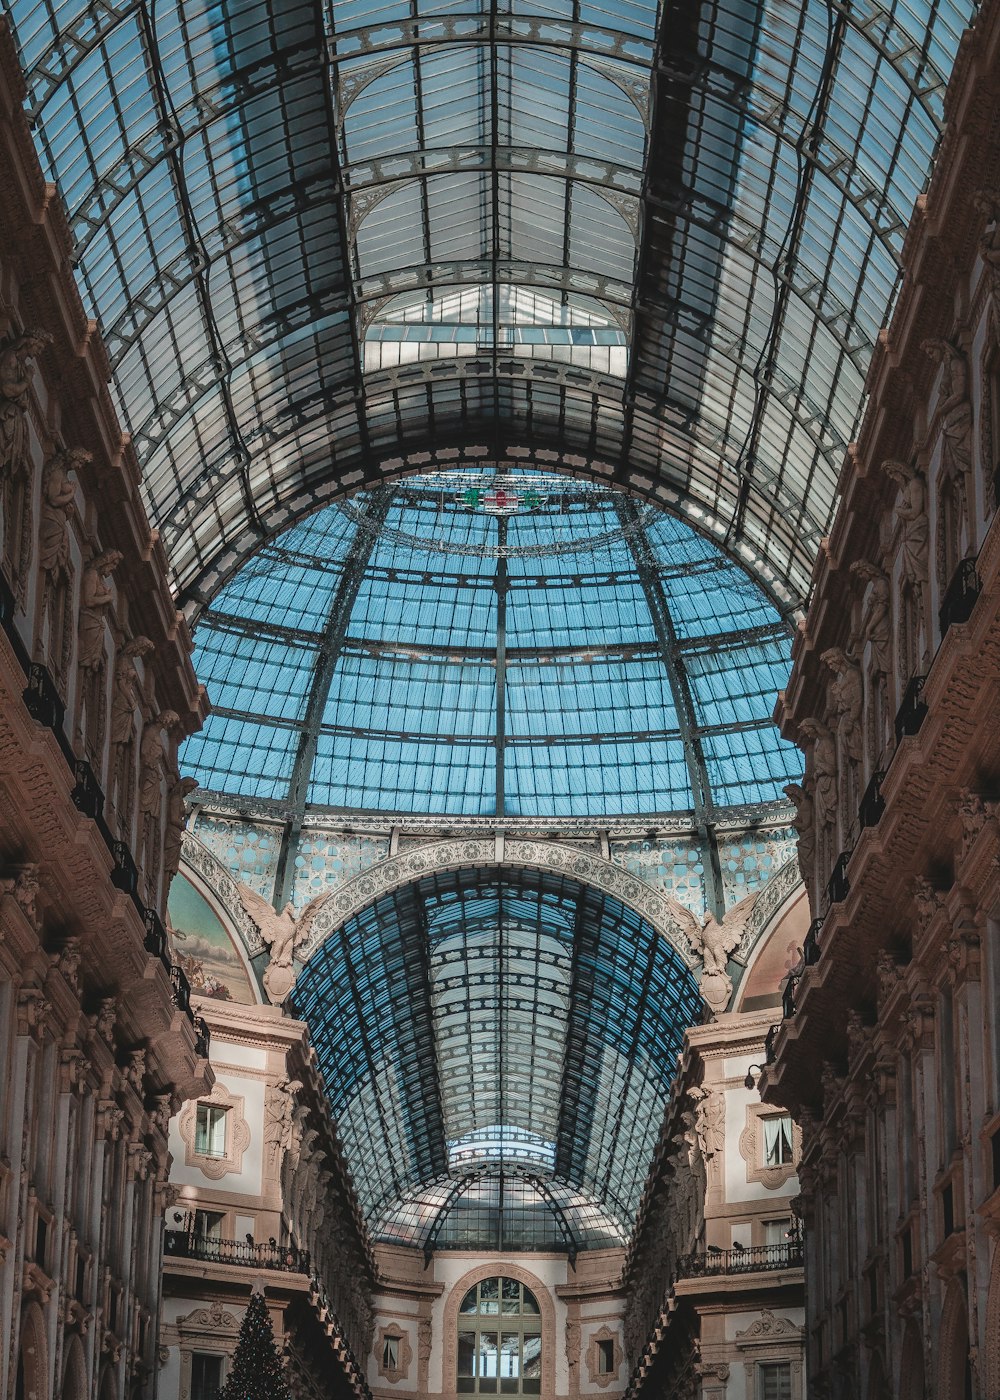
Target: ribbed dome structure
482, 643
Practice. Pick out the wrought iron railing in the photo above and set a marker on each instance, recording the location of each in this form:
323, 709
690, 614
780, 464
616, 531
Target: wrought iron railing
758, 1259
183, 1244
960, 595
910, 715
810, 947
873, 803
838, 886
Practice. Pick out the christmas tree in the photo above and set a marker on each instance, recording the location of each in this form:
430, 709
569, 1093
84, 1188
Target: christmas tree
256, 1372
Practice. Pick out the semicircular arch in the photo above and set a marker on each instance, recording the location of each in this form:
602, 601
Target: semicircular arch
449, 1349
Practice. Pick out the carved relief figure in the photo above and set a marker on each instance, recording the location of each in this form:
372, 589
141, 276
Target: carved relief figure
177, 815
954, 407
125, 699
151, 790
847, 694
96, 599
23, 884
821, 770
15, 464
988, 204
804, 822
55, 615
279, 1101
280, 933
715, 942
914, 537
876, 615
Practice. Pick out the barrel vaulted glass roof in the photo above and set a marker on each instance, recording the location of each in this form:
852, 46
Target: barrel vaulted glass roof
502, 1031
475, 644
330, 240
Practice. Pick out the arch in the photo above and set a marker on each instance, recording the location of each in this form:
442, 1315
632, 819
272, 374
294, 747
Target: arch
499, 1265
33, 1356
878, 1388
911, 1366
74, 1385
408, 867
954, 1366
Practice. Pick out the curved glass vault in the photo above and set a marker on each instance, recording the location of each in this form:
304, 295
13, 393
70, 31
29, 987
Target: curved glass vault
498, 1046
474, 644
328, 241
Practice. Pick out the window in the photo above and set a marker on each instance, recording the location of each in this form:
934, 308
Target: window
777, 1140
605, 1358
499, 1340
210, 1130
774, 1380
208, 1224
390, 1354
776, 1231
206, 1375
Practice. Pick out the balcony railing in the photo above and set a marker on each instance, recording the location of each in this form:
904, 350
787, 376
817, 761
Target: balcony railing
910, 715
182, 1244
811, 948
873, 803
838, 886
960, 595
760, 1259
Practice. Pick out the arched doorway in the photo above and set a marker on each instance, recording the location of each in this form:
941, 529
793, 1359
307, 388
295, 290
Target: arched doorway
32, 1381
954, 1363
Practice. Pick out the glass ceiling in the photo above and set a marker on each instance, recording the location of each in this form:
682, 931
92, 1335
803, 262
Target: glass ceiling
331, 240
480, 645
498, 1028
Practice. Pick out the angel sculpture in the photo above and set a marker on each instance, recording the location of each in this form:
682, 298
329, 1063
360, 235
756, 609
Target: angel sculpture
715, 942
280, 932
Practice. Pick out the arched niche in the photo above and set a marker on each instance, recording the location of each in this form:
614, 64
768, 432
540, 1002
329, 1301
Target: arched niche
33, 1357
74, 1382
207, 941
911, 1367
954, 1365
776, 950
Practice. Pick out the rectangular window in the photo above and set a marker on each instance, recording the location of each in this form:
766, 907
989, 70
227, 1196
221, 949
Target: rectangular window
206, 1375
774, 1380
208, 1224
466, 1362
777, 1140
776, 1231
531, 1372
390, 1354
210, 1130
605, 1358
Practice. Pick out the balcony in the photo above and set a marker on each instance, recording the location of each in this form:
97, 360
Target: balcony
765, 1258
873, 803
182, 1244
960, 595
810, 947
910, 715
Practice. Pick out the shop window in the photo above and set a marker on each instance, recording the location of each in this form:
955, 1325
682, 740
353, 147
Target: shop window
499, 1340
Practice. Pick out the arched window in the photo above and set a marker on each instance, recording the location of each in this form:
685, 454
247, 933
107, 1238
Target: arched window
499, 1340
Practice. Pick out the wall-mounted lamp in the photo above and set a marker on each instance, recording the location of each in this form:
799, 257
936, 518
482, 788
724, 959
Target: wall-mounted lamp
750, 1081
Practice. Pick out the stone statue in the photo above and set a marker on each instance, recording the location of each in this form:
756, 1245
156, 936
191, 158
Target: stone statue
151, 761
177, 816
821, 770
954, 410
95, 600
58, 495
279, 1101
23, 884
988, 204
126, 689
710, 1121
804, 822
715, 942
911, 513
279, 932
876, 615
15, 461
847, 693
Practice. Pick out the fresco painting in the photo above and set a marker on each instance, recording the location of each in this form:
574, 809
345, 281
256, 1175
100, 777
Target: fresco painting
203, 947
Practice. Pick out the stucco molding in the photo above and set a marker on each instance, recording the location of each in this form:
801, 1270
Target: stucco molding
393, 1331
237, 1133
751, 1146
593, 1357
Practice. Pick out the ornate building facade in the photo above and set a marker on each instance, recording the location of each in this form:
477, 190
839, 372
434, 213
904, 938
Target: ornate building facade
99, 1043
887, 1053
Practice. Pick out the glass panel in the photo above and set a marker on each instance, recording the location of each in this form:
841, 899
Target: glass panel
530, 1304
466, 1353
511, 1295
470, 1302
510, 1354
489, 1295
489, 1352
532, 1353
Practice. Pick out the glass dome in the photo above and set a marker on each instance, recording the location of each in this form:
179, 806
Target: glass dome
483, 643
